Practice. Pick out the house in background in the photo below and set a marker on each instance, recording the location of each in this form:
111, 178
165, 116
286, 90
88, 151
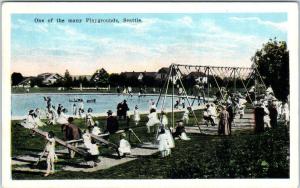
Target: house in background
49, 78
162, 73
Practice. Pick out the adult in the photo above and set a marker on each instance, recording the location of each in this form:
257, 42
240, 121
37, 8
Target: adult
273, 115
59, 109
89, 118
71, 132
124, 109
119, 110
229, 109
223, 128
259, 114
112, 124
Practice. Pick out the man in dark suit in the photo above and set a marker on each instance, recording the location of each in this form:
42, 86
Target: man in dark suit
71, 132
112, 124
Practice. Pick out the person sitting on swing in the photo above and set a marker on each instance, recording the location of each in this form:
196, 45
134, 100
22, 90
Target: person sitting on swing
207, 116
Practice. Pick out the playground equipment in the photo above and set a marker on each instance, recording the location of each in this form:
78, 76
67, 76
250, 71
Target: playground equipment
203, 77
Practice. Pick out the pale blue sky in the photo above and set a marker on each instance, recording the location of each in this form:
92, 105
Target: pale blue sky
223, 39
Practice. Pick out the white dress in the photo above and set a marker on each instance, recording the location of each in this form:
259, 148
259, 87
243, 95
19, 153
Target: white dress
266, 117
153, 120
29, 122
185, 117
125, 147
163, 142
89, 120
62, 119
170, 138
96, 131
164, 120
286, 112
136, 116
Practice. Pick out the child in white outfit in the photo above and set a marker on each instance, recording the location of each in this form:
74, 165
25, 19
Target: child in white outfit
50, 148
163, 146
125, 147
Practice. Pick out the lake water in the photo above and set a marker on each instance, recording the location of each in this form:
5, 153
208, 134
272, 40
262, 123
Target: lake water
22, 103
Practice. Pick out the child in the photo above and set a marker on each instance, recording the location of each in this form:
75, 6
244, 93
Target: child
30, 122
185, 117
125, 147
92, 147
96, 129
136, 115
163, 145
164, 119
153, 120
50, 148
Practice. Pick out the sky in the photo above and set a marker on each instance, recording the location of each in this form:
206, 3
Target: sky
217, 39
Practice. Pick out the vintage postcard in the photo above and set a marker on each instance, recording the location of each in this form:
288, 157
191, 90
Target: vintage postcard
158, 94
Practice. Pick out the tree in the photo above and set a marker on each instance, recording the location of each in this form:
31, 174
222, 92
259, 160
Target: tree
117, 79
67, 79
16, 78
100, 78
272, 62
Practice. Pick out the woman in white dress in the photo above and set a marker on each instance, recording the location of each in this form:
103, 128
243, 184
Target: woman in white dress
136, 115
163, 145
29, 122
89, 118
63, 118
124, 147
92, 148
153, 120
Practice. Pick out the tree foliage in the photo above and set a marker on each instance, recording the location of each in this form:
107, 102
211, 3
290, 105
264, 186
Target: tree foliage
272, 62
100, 78
16, 78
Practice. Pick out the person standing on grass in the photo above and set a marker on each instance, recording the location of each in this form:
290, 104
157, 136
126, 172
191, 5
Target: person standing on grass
229, 109
136, 115
223, 128
119, 110
273, 115
71, 132
286, 113
163, 145
259, 114
112, 124
124, 109
51, 157
89, 118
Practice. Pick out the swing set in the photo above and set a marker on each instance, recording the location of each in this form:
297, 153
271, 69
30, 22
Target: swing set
221, 77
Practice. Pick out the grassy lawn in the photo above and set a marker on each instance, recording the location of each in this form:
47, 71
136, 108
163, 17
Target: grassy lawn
242, 155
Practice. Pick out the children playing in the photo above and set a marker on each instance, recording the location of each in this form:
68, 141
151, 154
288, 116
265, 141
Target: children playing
50, 149
164, 145
124, 147
136, 115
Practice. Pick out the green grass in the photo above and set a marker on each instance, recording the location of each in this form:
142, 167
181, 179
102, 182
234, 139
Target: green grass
242, 155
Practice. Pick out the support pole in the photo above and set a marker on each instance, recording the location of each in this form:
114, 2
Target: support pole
187, 98
172, 69
234, 79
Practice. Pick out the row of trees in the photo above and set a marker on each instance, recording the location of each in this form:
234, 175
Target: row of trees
272, 62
